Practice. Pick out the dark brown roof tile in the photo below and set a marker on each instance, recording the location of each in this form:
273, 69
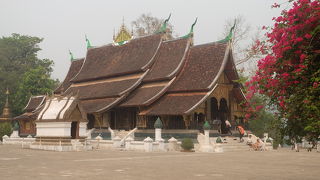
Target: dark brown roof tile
169, 60
202, 66
108, 61
73, 71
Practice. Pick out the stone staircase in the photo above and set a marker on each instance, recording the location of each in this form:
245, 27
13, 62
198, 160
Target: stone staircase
231, 144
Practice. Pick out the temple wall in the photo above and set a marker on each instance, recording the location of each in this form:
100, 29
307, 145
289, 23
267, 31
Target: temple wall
53, 129
83, 129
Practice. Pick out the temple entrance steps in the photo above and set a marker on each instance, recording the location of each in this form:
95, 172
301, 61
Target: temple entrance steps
232, 143
120, 133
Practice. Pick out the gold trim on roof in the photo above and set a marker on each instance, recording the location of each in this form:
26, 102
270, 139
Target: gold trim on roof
122, 35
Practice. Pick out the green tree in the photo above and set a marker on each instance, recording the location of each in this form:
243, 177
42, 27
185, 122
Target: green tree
5, 129
18, 55
147, 24
34, 82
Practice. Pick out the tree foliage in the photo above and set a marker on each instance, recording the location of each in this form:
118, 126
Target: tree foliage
5, 129
147, 24
289, 75
19, 65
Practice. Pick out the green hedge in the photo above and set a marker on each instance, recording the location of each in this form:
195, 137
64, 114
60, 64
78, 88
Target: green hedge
5, 129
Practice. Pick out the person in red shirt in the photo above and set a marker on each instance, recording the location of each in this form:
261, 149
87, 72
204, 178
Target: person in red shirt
241, 132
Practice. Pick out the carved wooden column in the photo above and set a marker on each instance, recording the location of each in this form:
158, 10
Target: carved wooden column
98, 120
141, 121
186, 119
165, 120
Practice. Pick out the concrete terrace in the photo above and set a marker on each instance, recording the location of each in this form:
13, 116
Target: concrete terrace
17, 163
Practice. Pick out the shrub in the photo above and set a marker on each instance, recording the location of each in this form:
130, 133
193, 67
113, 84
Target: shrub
187, 144
5, 129
219, 140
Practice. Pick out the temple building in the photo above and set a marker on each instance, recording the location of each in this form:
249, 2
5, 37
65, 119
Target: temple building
132, 81
6, 112
27, 125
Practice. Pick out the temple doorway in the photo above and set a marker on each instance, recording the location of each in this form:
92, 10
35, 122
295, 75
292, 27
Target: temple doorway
223, 115
74, 130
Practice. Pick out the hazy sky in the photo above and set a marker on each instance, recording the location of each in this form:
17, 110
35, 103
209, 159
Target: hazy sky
64, 23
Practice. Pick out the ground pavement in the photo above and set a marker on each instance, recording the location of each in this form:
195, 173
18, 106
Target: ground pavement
17, 163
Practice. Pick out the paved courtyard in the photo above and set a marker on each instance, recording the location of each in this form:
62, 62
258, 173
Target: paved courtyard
17, 163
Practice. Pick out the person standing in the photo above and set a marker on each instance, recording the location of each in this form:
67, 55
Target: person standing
228, 125
241, 132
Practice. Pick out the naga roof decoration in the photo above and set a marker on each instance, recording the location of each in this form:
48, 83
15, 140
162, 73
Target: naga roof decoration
88, 42
163, 28
191, 30
229, 36
71, 56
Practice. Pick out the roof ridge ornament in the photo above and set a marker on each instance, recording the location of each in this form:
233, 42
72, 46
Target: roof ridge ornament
123, 36
71, 56
190, 34
163, 28
230, 35
88, 42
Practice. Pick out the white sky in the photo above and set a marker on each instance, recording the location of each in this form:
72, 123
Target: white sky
64, 23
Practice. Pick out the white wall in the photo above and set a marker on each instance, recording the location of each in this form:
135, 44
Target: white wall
53, 129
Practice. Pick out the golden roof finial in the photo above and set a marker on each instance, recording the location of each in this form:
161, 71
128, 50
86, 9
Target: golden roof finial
123, 34
6, 110
7, 91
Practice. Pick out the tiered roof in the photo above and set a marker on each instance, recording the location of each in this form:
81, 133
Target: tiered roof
164, 77
74, 69
32, 109
196, 81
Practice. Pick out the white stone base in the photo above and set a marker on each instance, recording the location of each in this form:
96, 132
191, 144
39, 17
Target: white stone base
218, 148
206, 148
15, 134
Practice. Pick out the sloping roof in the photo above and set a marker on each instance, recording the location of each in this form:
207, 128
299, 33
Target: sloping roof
196, 81
98, 96
59, 108
99, 105
104, 89
168, 60
173, 104
201, 68
34, 103
109, 61
73, 71
168, 63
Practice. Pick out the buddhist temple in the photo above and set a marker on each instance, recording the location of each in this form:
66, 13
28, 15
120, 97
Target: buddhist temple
131, 82
27, 119
6, 112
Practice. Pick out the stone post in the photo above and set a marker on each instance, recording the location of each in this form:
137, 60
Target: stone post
117, 142
318, 145
206, 147
161, 145
15, 134
172, 146
128, 143
148, 144
265, 137
4, 139
98, 138
158, 126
